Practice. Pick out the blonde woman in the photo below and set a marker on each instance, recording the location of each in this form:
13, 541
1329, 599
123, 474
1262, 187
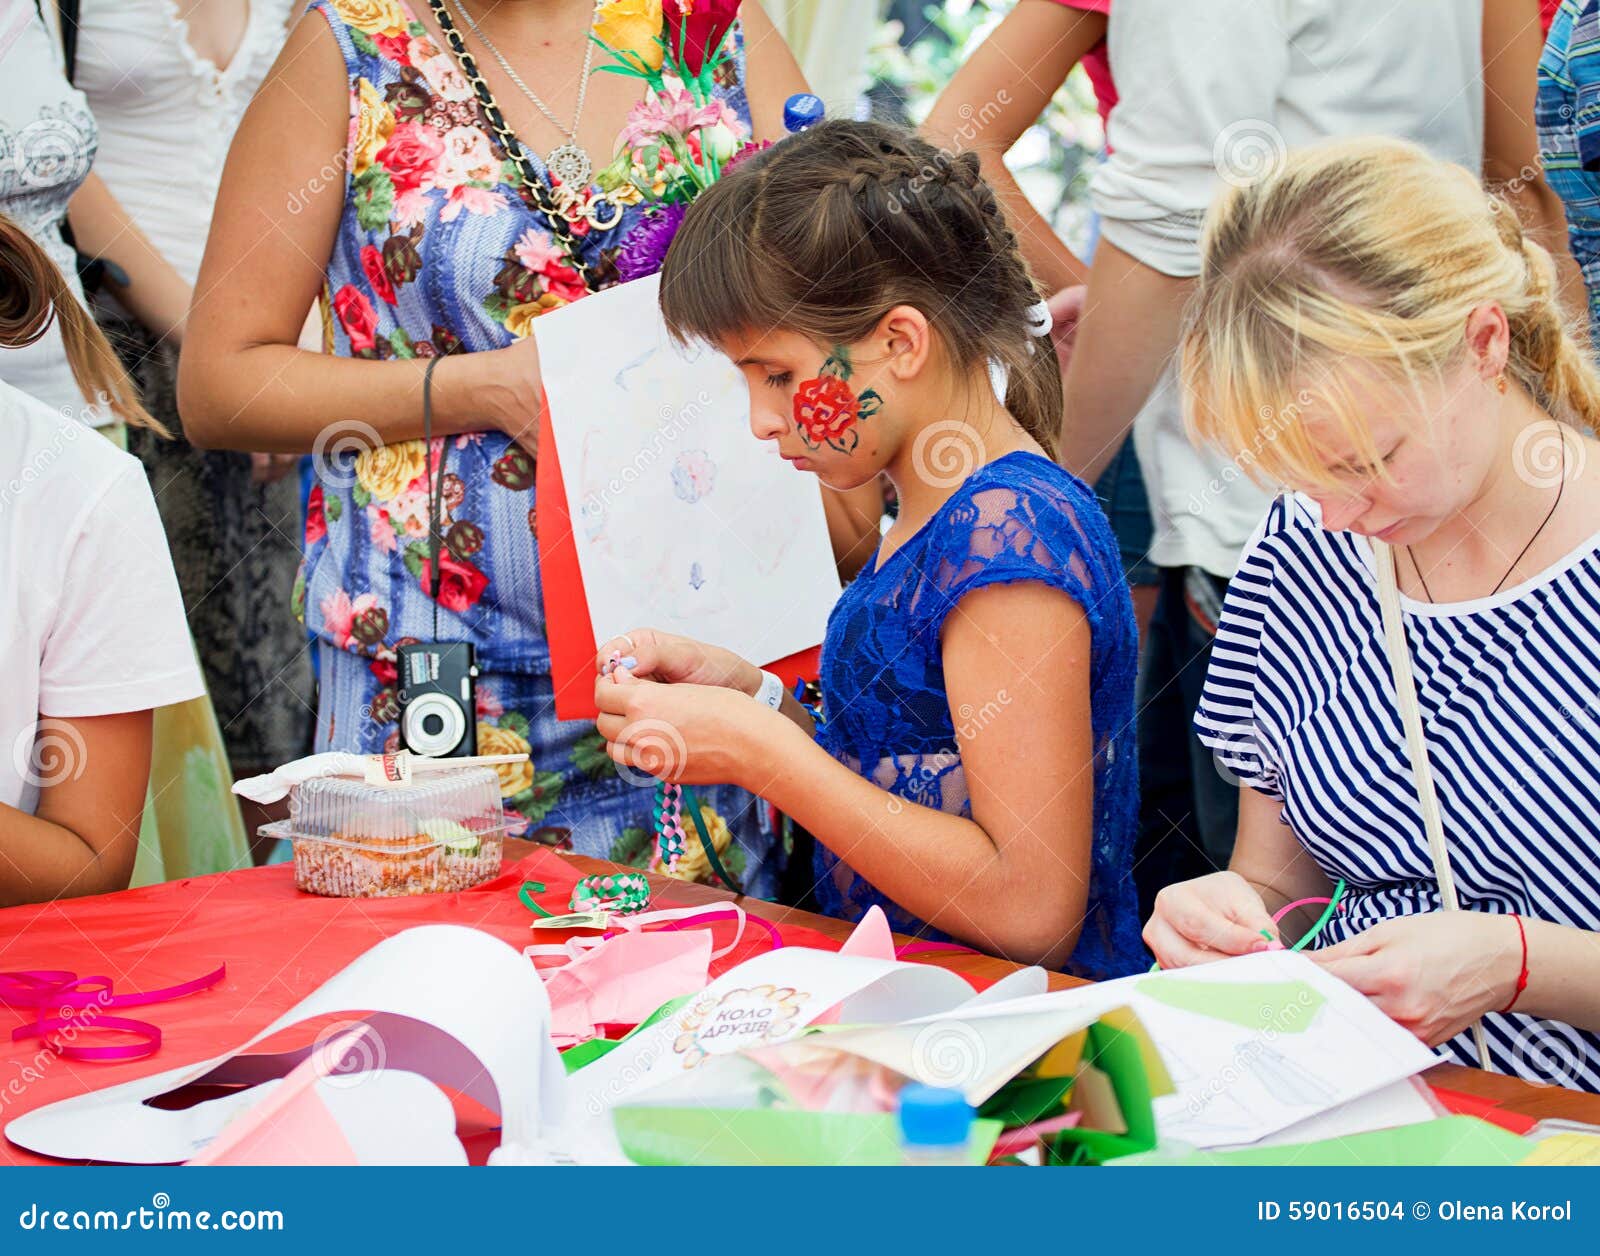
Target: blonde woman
1374, 331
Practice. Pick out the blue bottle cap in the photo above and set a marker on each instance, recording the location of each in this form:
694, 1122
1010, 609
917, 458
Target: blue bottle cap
933, 1116
802, 110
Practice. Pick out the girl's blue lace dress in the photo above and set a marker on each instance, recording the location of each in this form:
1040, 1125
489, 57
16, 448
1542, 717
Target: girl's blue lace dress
888, 717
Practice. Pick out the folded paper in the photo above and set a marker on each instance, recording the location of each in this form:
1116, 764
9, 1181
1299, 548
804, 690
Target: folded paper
421, 995
329, 1112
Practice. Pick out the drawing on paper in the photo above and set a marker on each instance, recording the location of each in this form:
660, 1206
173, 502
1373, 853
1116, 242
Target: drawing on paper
693, 475
681, 517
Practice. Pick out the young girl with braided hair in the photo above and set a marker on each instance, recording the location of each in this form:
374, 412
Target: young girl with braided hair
973, 771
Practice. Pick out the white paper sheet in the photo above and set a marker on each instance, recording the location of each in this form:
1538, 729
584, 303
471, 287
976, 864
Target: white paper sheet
683, 520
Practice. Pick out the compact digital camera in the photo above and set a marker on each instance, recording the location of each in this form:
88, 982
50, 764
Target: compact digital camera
438, 699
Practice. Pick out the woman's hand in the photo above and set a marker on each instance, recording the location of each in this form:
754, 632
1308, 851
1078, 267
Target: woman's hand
654, 655
1435, 973
505, 390
1209, 918
1066, 312
693, 734
270, 468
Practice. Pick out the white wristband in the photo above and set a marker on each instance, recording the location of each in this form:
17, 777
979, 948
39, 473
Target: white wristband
771, 692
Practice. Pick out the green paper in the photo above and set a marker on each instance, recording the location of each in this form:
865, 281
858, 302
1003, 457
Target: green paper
1119, 1056
1450, 1140
1285, 1007
576, 1057
1025, 1100
771, 1136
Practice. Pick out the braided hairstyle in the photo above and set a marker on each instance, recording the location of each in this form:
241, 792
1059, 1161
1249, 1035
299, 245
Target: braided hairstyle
32, 293
828, 230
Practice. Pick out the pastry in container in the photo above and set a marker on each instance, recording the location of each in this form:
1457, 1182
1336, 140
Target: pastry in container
434, 836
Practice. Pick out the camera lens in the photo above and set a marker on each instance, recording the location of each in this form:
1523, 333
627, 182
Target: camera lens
434, 725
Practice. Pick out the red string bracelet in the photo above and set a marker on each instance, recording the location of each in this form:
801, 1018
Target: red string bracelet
1522, 977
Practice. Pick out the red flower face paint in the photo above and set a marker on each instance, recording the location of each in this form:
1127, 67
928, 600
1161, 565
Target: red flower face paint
827, 409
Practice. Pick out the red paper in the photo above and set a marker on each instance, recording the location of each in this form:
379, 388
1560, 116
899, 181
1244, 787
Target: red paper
278, 944
566, 609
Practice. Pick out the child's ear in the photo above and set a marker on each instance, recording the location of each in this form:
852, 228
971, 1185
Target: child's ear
907, 338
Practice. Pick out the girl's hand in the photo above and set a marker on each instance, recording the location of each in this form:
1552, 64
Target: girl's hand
1209, 918
1435, 973
654, 655
693, 734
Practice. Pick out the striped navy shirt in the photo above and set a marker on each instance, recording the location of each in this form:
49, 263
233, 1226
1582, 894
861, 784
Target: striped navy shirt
1299, 704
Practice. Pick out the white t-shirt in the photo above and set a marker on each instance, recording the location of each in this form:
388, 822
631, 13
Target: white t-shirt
47, 143
1216, 89
94, 622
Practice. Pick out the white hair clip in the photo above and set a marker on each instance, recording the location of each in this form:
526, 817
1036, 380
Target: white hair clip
1040, 320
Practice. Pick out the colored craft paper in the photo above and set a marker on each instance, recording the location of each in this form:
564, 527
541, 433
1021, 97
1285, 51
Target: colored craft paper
1325, 1046
423, 996
1451, 1140
976, 1054
763, 1001
330, 1111
750, 1136
278, 944
1565, 1149
676, 516
621, 981
1119, 1119
1286, 1007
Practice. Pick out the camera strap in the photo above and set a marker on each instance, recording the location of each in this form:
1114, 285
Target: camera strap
435, 489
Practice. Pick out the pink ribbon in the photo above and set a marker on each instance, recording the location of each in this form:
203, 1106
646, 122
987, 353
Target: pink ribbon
40, 989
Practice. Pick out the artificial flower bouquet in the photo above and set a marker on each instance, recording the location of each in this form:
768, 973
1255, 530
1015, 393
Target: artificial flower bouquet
681, 136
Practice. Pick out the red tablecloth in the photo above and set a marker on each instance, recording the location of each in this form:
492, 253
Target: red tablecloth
278, 944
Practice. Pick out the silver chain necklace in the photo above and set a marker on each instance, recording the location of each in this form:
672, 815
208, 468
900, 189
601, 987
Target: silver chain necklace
567, 162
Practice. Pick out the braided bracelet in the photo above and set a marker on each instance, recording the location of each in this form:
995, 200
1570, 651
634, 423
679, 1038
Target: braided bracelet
624, 892
671, 841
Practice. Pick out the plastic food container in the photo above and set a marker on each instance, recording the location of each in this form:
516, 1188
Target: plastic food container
354, 840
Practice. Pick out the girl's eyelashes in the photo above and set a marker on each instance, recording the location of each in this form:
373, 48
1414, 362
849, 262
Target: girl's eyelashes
780, 380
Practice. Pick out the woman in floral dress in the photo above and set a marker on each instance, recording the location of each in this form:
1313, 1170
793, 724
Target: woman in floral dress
367, 172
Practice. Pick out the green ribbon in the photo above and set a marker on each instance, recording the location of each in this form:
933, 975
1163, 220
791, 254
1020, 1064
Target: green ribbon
692, 804
526, 894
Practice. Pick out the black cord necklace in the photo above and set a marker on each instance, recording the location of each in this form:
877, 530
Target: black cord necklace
1539, 531
560, 220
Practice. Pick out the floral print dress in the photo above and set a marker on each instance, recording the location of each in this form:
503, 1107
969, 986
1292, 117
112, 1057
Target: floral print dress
437, 252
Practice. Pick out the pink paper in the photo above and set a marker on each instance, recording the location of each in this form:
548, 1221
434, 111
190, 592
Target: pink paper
623, 980
291, 1125
870, 939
